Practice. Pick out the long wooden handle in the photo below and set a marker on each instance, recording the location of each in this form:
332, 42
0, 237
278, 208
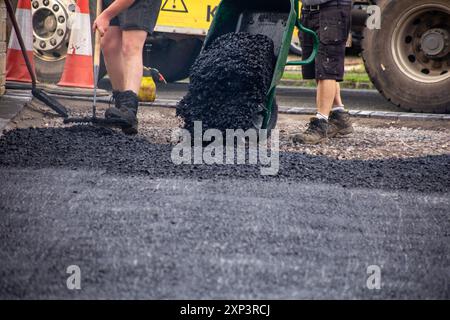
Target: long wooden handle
97, 37
16, 27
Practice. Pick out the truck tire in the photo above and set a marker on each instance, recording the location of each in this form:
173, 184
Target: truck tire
173, 58
49, 63
408, 59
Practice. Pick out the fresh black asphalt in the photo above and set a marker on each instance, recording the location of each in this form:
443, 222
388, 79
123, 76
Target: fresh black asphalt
140, 227
229, 82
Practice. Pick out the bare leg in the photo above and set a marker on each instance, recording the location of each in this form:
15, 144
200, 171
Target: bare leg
326, 93
338, 98
112, 52
340, 121
132, 45
318, 127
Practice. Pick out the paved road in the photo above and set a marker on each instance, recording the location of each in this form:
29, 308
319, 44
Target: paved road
135, 237
296, 97
140, 227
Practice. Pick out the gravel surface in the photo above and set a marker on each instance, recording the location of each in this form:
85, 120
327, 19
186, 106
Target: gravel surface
374, 140
229, 82
97, 148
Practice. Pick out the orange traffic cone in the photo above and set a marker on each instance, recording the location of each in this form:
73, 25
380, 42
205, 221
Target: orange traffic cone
78, 68
16, 69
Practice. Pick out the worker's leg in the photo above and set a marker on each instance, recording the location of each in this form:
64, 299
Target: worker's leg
332, 23
326, 94
318, 126
337, 98
127, 102
112, 52
136, 22
340, 123
132, 46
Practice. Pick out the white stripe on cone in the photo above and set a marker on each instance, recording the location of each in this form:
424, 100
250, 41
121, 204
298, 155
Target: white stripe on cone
25, 22
80, 37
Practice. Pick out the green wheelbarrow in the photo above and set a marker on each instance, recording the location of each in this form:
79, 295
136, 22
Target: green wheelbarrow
275, 19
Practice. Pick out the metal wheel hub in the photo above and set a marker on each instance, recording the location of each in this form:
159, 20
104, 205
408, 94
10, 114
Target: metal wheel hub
435, 43
420, 43
50, 29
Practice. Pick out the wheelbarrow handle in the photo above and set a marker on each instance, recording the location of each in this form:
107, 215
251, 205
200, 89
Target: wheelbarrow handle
313, 55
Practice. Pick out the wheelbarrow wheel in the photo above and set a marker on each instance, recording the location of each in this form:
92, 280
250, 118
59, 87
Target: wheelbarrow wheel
259, 119
273, 117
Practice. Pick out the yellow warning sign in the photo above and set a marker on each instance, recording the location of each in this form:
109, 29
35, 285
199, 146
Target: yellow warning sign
188, 16
175, 6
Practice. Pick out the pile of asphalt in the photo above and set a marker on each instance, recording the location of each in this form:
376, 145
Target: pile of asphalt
92, 148
229, 82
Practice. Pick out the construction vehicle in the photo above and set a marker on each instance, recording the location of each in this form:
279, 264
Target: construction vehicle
177, 41
407, 59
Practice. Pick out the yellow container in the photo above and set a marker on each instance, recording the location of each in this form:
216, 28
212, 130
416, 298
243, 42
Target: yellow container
147, 91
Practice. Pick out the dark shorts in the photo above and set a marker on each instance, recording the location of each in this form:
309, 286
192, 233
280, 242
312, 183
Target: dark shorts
332, 24
142, 15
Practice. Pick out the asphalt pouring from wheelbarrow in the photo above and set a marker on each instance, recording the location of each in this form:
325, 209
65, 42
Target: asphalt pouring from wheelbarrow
228, 83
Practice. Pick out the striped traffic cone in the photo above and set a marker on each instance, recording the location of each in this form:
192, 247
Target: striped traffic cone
16, 69
78, 68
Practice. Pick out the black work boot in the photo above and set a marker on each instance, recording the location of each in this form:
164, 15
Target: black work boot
316, 132
126, 107
114, 99
340, 124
